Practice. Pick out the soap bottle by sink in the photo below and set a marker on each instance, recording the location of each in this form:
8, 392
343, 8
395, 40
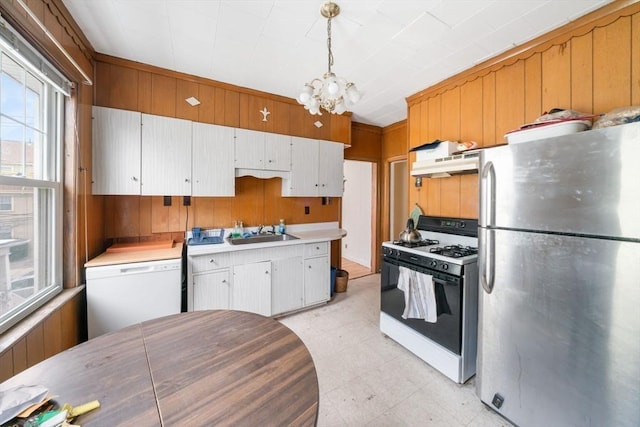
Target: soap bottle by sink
237, 230
281, 227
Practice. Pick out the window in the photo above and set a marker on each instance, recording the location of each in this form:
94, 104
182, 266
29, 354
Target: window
31, 108
6, 203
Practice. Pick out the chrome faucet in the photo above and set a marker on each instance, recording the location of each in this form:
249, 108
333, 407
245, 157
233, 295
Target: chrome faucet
260, 227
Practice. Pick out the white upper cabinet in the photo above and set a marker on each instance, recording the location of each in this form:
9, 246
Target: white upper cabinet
116, 151
277, 152
316, 169
330, 169
166, 156
213, 171
262, 151
135, 153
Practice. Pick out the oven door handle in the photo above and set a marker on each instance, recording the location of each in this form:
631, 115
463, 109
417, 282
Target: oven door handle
444, 282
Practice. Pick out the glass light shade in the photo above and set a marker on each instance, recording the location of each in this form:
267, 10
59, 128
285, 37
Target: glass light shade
352, 93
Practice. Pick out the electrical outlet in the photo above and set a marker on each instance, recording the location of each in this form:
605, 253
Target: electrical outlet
167, 201
306, 210
186, 201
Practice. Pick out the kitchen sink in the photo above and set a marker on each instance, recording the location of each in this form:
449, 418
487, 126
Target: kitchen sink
262, 238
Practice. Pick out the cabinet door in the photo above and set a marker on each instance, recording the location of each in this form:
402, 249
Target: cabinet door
166, 156
212, 291
331, 169
286, 285
316, 280
116, 151
212, 163
249, 149
251, 289
277, 152
303, 179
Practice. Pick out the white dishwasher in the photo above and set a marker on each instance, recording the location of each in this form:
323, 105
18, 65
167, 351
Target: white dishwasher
121, 295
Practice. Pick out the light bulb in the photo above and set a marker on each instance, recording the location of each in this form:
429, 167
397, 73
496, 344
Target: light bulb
303, 98
305, 94
332, 85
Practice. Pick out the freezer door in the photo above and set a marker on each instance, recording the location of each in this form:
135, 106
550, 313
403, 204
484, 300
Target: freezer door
558, 334
585, 183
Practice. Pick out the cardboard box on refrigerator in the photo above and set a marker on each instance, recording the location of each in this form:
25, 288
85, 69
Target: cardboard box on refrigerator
435, 150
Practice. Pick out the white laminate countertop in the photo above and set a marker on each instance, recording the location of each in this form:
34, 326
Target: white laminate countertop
142, 255
304, 235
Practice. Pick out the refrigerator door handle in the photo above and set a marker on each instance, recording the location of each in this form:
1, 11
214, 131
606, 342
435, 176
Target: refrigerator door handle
487, 259
487, 195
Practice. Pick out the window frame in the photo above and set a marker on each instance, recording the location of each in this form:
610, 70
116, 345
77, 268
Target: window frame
48, 192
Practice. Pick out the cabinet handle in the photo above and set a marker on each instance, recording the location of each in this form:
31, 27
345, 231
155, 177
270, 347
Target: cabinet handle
186, 180
224, 281
317, 248
133, 178
309, 267
212, 261
266, 272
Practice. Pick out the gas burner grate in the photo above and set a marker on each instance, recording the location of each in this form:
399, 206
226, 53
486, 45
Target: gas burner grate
454, 251
425, 242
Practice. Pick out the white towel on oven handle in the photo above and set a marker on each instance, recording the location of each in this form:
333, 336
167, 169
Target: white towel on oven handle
419, 295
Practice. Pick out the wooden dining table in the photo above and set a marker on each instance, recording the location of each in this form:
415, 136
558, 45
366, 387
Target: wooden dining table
203, 368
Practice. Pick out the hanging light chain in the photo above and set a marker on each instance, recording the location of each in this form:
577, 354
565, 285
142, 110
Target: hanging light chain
329, 43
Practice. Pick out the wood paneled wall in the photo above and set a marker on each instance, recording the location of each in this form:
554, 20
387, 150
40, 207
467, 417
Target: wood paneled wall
57, 326
591, 65
138, 87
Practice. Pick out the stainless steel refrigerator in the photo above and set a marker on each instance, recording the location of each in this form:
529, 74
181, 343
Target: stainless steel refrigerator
559, 260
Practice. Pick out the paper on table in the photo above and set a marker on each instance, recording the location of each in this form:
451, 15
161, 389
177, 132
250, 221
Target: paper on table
17, 399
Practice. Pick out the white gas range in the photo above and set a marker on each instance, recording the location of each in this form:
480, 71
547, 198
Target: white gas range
448, 256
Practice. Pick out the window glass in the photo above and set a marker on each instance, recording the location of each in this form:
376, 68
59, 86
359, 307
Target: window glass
30, 189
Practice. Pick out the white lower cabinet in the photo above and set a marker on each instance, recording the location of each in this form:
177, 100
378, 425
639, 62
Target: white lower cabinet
269, 281
212, 291
286, 285
316, 273
251, 290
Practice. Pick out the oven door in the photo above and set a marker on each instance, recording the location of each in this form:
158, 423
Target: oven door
447, 330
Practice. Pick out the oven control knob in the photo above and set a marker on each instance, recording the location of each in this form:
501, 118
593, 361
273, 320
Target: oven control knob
433, 263
445, 266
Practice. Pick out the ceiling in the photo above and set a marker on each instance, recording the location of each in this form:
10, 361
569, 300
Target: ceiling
390, 49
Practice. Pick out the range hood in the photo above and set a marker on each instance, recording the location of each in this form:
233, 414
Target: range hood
262, 173
447, 166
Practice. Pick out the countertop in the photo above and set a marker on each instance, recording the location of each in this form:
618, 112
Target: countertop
216, 367
305, 234
111, 258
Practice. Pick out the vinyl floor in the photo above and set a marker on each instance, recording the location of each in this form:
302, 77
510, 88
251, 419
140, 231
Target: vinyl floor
366, 379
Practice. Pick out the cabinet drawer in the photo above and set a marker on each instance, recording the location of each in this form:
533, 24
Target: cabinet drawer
315, 249
202, 263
